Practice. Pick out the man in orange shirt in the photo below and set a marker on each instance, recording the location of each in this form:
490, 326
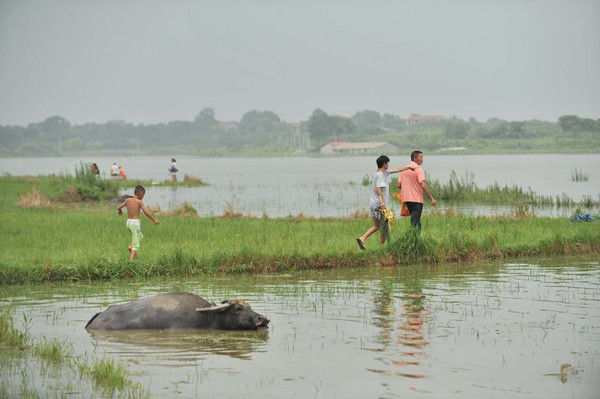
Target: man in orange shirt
412, 182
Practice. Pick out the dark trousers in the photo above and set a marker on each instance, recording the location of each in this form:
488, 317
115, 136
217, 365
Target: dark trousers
415, 209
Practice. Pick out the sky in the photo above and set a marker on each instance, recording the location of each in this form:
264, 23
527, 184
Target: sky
149, 61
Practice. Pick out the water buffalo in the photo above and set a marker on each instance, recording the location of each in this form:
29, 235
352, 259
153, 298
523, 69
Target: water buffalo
177, 310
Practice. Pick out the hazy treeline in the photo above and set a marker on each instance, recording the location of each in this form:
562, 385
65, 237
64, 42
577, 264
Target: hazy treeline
264, 133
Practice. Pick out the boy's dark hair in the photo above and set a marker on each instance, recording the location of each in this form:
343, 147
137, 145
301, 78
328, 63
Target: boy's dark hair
139, 189
415, 154
382, 161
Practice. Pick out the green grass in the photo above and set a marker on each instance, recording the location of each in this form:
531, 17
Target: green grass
90, 242
109, 375
463, 190
10, 336
53, 350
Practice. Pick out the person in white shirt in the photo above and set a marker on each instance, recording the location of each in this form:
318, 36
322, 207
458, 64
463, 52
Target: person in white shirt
114, 170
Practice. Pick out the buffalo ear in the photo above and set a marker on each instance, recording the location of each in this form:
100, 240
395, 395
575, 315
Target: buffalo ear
216, 308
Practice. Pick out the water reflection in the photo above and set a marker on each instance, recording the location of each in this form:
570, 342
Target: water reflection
402, 330
182, 345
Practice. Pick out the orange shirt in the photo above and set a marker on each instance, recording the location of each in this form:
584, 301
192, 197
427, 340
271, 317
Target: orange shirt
410, 183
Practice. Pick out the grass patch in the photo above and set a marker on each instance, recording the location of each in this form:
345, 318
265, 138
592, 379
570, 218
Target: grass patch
107, 374
89, 242
10, 336
53, 350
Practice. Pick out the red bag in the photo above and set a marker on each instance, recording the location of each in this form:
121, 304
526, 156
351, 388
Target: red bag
404, 211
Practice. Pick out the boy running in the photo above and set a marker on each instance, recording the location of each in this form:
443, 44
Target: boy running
134, 205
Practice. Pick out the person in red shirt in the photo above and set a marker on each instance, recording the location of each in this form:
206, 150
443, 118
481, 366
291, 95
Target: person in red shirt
412, 183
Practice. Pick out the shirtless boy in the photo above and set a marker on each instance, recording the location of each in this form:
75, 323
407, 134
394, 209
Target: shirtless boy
134, 205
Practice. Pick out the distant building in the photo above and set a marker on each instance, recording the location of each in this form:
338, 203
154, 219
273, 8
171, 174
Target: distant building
416, 119
343, 147
228, 125
117, 122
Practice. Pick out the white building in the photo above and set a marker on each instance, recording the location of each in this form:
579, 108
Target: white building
343, 147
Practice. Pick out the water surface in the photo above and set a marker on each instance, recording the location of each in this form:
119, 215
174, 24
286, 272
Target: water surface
327, 186
483, 330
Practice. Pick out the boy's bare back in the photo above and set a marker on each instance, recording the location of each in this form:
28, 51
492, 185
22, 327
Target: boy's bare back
134, 206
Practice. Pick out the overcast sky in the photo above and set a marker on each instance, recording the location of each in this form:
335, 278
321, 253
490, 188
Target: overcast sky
157, 61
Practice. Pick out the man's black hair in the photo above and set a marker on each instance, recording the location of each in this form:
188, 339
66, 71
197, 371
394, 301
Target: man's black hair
382, 160
415, 154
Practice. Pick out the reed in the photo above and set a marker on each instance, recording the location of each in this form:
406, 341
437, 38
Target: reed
578, 175
106, 373
464, 190
9, 335
53, 350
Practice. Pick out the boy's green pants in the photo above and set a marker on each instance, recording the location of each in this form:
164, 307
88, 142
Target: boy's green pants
136, 236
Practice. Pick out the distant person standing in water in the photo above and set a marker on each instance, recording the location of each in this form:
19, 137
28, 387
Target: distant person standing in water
95, 170
412, 183
122, 173
173, 169
379, 198
114, 170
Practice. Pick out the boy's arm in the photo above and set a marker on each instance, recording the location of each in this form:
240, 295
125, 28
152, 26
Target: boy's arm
380, 195
148, 213
120, 207
403, 168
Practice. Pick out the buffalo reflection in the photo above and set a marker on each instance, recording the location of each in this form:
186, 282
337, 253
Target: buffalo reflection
184, 344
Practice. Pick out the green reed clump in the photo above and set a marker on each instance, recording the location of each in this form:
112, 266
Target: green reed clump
106, 372
53, 350
9, 335
577, 175
411, 247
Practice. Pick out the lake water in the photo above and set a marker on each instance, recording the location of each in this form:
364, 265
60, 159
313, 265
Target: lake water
325, 186
492, 330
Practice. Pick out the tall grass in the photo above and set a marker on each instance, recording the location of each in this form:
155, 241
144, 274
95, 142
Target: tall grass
464, 190
9, 334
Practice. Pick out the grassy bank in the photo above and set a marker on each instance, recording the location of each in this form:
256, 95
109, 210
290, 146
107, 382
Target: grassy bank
88, 241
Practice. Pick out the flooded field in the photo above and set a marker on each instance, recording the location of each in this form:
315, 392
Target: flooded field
483, 330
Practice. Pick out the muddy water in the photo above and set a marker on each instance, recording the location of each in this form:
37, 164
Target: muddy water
486, 330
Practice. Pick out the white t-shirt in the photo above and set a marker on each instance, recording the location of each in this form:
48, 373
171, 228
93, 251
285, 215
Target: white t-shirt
380, 179
114, 170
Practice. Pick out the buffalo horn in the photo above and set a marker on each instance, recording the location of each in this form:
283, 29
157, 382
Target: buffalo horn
216, 308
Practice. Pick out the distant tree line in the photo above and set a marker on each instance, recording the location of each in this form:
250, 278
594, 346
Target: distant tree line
263, 132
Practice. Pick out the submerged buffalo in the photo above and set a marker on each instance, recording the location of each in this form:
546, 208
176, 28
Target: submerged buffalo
178, 310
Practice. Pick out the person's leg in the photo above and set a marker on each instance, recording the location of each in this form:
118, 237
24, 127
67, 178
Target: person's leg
383, 235
136, 239
415, 209
371, 230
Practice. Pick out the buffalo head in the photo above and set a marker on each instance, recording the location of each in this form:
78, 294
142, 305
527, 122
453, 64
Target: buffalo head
231, 315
